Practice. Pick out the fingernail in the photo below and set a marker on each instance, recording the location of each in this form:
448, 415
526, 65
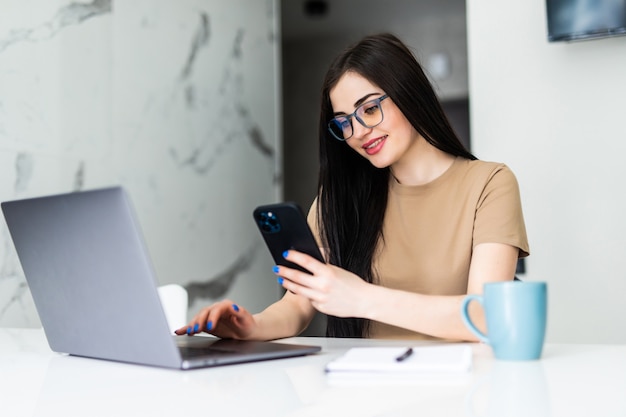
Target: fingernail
189, 330
280, 280
235, 307
209, 325
285, 253
196, 327
275, 269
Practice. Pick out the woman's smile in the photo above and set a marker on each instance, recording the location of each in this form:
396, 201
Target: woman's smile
374, 146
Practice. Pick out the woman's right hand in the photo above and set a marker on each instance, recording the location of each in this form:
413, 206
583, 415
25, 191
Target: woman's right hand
224, 319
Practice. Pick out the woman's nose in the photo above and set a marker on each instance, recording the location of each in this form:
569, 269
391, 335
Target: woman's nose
358, 130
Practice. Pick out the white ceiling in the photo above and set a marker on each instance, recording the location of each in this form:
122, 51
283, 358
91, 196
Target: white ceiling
348, 16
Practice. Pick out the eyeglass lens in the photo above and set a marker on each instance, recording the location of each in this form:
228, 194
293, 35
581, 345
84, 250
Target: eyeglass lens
369, 114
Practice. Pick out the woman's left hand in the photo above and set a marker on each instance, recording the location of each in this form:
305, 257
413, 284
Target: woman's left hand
330, 289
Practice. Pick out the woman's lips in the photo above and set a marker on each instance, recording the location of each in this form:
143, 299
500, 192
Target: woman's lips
375, 145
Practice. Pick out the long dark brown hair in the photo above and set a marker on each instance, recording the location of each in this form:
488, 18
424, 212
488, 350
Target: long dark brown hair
352, 192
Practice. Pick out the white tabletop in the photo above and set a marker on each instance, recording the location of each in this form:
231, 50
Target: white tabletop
570, 380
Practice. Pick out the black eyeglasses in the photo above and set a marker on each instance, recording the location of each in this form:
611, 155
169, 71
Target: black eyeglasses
369, 114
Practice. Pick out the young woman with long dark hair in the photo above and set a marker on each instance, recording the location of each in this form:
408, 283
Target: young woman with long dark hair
408, 219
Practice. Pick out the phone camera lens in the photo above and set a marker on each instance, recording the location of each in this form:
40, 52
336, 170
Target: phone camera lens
268, 222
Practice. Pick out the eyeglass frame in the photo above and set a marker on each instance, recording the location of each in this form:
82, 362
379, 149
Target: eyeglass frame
358, 119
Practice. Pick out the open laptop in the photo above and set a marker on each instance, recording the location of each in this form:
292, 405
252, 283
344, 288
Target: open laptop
95, 290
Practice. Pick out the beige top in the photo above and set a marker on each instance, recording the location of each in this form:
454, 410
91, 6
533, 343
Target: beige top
430, 230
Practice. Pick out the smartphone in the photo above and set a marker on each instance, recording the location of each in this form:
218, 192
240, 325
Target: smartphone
284, 227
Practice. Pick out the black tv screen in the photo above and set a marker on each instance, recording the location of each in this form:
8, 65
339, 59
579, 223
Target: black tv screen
571, 20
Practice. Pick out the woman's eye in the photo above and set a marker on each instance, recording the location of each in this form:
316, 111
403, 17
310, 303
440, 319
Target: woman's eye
371, 109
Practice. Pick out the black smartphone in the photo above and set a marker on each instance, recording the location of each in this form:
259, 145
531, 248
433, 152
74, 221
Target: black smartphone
283, 227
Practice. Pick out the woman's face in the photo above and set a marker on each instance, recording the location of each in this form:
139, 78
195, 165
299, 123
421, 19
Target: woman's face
384, 144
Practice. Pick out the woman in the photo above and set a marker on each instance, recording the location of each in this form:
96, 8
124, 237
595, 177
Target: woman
409, 221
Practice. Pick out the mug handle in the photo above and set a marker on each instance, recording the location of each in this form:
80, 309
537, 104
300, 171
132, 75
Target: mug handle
467, 321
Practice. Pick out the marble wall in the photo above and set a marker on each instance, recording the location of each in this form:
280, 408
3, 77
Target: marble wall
176, 100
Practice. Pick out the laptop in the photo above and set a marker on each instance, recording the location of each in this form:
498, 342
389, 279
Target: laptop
95, 290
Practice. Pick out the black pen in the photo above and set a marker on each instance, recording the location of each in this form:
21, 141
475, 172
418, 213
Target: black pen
405, 355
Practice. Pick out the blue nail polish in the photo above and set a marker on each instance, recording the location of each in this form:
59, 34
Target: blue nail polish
196, 327
280, 280
209, 325
285, 253
275, 269
188, 330
235, 307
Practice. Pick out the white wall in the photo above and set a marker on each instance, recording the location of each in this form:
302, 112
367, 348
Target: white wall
555, 114
175, 100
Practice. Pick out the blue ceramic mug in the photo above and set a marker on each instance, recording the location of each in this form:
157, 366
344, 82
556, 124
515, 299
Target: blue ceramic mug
516, 316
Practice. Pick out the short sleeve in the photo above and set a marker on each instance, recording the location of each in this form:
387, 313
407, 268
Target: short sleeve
499, 216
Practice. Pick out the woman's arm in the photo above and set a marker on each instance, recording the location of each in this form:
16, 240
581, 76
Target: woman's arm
337, 292
440, 316
287, 317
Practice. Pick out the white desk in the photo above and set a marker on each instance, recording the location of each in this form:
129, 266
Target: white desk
570, 380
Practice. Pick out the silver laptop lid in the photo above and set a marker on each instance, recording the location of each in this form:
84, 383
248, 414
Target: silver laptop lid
90, 276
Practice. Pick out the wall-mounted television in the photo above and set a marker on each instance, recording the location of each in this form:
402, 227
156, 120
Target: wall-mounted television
573, 20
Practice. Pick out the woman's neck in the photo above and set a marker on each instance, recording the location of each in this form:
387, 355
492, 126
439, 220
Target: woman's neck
421, 164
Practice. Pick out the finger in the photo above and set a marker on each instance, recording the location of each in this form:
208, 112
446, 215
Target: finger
304, 279
188, 329
235, 323
222, 312
305, 261
199, 322
193, 327
299, 289
241, 320
296, 276
295, 280
219, 312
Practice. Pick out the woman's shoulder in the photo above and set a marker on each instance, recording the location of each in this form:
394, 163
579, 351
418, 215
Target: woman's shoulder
484, 169
481, 165
478, 176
